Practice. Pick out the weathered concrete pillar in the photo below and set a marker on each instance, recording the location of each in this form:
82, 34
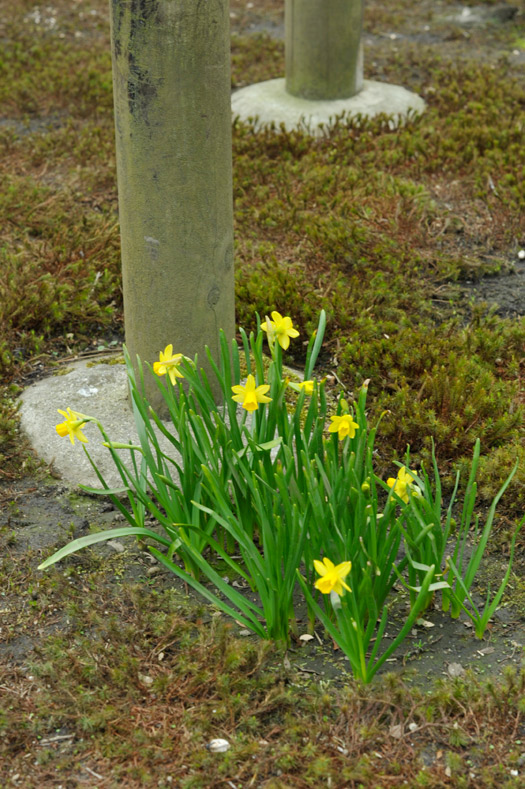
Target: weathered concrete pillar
324, 56
171, 80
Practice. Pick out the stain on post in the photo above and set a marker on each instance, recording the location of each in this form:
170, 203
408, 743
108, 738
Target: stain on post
141, 90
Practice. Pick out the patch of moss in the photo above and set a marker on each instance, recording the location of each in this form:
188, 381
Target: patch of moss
494, 469
255, 59
62, 371
113, 360
42, 73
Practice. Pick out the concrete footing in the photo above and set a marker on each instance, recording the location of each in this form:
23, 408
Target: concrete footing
269, 103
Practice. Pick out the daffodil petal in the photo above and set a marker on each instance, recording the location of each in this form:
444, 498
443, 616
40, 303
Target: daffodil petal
320, 567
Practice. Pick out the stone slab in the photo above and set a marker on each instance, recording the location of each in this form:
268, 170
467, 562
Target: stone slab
96, 389
268, 102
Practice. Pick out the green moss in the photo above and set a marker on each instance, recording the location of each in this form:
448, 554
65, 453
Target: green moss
63, 371
434, 385
40, 74
494, 469
114, 360
255, 59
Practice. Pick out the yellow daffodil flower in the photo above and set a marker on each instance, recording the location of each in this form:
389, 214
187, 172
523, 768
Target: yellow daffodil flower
169, 363
72, 426
308, 387
281, 328
250, 395
332, 576
344, 425
403, 483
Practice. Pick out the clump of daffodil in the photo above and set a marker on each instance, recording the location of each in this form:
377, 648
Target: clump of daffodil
343, 425
250, 395
403, 483
332, 576
169, 363
72, 425
279, 328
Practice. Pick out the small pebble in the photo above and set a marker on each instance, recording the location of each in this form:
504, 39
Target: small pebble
455, 670
219, 746
117, 546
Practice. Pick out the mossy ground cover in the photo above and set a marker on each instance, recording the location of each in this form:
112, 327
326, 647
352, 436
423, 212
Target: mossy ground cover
382, 227
129, 683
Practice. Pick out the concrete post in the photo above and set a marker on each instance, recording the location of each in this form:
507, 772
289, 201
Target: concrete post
171, 82
323, 48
